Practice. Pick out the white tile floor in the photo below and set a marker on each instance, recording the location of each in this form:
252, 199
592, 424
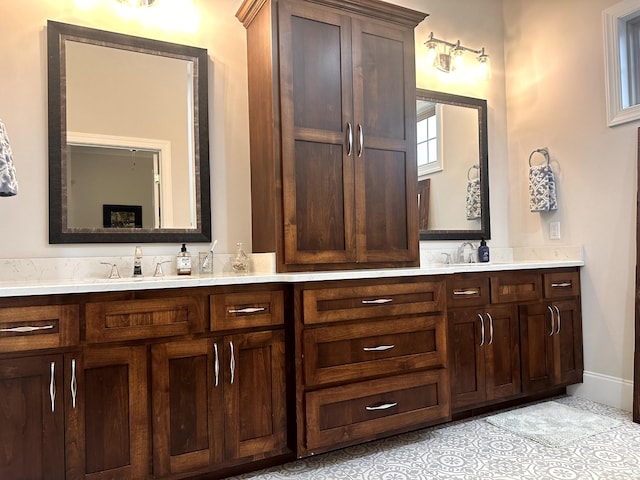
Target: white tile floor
476, 450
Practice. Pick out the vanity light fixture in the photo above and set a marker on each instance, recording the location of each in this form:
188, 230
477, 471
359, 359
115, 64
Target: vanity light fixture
138, 3
451, 58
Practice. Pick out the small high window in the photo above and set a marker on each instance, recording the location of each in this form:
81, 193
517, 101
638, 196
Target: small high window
622, 61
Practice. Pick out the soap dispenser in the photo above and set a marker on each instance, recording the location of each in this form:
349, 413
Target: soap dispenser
483, 251
183, 261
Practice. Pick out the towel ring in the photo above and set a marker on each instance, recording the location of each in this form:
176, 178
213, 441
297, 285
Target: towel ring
543, 151
471, 168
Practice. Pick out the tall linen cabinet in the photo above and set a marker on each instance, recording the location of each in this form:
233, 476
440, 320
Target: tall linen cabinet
332, 132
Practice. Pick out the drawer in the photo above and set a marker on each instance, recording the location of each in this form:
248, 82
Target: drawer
516, 287
468, 290
358, 411
35, 328
561, 284
370, 301
245, 310
358, 351
141, 319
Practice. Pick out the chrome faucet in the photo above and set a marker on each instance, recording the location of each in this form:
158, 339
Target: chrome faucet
461, 251
137, 263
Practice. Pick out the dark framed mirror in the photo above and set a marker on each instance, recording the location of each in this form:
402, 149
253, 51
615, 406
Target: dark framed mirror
453, 167
128, 135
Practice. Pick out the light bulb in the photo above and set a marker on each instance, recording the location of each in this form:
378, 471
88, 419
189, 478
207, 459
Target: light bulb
457, 60
484, 66
431, 53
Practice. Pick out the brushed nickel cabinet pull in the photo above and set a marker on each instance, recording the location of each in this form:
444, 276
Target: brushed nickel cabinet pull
384, 406
52, 387
380, 348
466, 292
558, 315
561, 285
490, 328
26, 329
552, 320
74, 383
349, 139
232, 363
378, 301
247, 310
481, 329
216, 364
360, 140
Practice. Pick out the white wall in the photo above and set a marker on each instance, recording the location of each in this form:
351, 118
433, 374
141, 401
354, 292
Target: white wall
556, 99
555, 92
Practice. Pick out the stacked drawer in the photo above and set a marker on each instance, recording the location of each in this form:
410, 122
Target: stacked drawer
372, 357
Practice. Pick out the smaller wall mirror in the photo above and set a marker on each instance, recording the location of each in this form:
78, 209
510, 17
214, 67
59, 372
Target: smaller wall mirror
453, 170
128, 139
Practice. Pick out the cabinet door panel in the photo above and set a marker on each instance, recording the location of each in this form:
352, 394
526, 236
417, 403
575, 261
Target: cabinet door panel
32, 431
255, 417
568, 343
537, 349
502, 353
187, 405
466, 358
316, 111
107, 427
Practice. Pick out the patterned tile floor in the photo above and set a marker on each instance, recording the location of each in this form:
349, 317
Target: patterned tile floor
476, 450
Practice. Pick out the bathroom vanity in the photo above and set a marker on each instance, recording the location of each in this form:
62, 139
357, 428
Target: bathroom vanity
175, 378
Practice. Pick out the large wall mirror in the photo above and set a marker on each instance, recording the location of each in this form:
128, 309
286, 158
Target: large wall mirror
128, 139
453, 171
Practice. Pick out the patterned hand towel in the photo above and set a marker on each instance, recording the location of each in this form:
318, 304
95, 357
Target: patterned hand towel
542, 189
8, 182
473, 199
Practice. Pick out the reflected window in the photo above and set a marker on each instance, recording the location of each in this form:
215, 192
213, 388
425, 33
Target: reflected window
429, 160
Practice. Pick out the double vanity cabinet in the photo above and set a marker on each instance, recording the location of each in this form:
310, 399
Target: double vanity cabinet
164, 382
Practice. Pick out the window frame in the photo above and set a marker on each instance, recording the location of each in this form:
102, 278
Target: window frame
617, 89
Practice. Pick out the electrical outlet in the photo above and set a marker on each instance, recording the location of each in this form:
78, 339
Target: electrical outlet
554, 230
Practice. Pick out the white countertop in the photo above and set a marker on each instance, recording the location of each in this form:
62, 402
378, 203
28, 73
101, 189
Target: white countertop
25, 287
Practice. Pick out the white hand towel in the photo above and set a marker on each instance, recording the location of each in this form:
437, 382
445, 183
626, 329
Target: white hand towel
473, 199
542, 189
8, 182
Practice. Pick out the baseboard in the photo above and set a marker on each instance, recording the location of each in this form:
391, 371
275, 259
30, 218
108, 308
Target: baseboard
612, 391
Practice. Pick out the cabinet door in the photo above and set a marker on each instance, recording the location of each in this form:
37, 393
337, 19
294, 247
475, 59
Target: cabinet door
187, 405
317, 131
107, 421
385, 142
567, 344
536, 332
466, 358
254, 392
32, 418
502, 352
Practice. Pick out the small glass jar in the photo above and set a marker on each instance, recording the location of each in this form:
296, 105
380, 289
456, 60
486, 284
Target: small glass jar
240, 262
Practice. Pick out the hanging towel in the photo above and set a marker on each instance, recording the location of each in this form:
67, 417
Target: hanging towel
542, 189
8, 182
473, 199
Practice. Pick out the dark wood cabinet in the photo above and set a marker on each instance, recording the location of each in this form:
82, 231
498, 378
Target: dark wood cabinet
32, 418
372, 359
332, 112
551, 344
107, 433
484, 355
217, 400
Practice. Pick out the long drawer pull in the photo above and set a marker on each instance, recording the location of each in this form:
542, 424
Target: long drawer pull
52, 387
466, 292
561, 285
74, 383
377, 301
379, 348
26, 329
247, 310
384, 406
216, 364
